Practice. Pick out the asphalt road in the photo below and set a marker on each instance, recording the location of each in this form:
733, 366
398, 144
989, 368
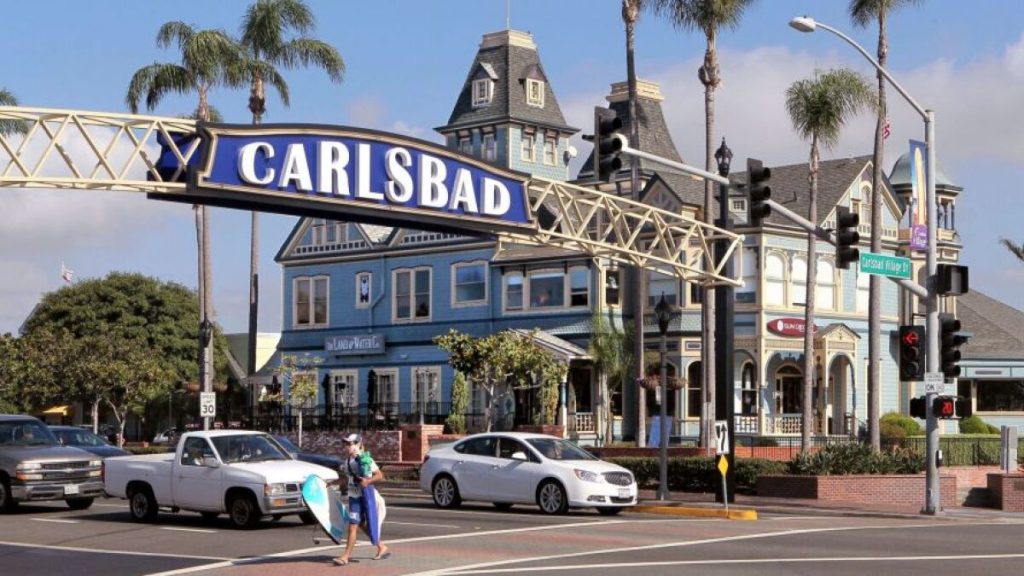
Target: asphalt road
477, 539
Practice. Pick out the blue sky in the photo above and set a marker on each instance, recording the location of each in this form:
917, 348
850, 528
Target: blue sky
406, 62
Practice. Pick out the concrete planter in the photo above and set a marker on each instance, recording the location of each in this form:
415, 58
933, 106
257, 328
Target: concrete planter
861, 489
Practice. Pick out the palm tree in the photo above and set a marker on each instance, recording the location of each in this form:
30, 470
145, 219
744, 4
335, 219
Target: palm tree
206, 58
265, 28
610, 348
707, 16
819, 108
9, 127
1015, 249
863, 12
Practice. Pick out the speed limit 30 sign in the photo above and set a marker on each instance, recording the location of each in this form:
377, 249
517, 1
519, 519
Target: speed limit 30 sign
207, 404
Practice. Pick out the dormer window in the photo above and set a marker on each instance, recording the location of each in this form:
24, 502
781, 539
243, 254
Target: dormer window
535, 92
483, 90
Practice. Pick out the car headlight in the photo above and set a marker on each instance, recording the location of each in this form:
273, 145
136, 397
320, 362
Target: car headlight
29, 471
29, 466
587, 475
274, 489
95, 463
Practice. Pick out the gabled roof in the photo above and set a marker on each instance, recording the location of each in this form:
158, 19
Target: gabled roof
508, 58
790, 186
996, 329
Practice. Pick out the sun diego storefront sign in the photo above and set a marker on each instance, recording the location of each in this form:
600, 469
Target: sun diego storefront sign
342, 172
792, 327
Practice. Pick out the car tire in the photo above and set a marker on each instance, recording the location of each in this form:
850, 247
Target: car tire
604, 511
244, 512
7, 502
551, 498
209, 516
142, 504
445, 492
307, 518
503, 506
79, 503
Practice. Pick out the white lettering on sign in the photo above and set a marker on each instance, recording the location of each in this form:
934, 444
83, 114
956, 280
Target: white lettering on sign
404, 180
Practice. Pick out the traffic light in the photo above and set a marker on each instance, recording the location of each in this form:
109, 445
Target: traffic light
918, 407
760, 192
949, 345
944, 407
963, 407
847, 237
606, 146
911, 353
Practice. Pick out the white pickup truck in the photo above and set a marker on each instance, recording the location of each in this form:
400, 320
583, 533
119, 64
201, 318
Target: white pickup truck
247, 475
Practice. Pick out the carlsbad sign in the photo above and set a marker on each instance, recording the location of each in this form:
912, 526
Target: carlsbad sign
342, 173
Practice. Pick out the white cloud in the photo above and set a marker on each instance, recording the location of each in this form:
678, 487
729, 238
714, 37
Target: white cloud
368, 112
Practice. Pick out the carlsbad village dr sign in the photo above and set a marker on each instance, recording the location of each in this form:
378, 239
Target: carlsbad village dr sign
351, 173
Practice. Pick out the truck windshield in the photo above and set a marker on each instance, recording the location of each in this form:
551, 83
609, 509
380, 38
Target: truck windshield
247, 448
26, 433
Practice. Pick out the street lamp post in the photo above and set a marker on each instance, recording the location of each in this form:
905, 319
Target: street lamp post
725, 376
663, 312
807, 24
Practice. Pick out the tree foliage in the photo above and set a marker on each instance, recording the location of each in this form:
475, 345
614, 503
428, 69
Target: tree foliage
8, 127
456, 421
611, 348
503, 362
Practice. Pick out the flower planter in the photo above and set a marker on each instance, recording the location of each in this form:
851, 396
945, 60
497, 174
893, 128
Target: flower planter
857, 488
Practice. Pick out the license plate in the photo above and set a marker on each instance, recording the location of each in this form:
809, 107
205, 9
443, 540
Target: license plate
71, 489
623, 493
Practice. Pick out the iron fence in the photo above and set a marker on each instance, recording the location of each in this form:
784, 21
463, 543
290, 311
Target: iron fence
379, 416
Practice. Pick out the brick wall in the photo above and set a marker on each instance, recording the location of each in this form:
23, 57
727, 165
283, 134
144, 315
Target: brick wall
1007, 491
383, 445
416, 440
857, 488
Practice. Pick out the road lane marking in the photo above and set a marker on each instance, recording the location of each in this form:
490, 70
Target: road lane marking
113, 552
424, 524
290, 553
490, 566
201, 530
57, 520
727, 561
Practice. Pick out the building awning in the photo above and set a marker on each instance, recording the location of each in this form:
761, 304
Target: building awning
57, 410
563, 350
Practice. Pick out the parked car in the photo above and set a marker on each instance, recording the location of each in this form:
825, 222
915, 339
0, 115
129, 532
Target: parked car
86, 440
169, 436
509, 468
297, 453
34, 466
246, 474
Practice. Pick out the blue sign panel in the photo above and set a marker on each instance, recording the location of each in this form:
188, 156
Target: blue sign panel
346, 172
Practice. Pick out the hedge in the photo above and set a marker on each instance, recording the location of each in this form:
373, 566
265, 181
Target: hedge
698, 473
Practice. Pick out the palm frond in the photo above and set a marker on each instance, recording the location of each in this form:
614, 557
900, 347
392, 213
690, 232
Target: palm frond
209, 54
166, 79
267, 21
703, 15
8, 127
306, 51
1015, 249
822, 105
177, 31
864, 12
212, 113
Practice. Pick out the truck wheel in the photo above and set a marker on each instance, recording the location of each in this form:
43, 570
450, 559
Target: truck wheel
244, 512
79, 503
142, 504
7, 503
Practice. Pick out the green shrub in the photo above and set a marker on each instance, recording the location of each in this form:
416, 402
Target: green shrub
975, 425
698, 473
855, 458
140, 450
894, 425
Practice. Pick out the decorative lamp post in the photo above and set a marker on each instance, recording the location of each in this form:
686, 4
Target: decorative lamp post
808, 24
663, 311
725, 304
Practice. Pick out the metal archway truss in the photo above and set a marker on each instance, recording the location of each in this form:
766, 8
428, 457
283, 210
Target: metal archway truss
47, 148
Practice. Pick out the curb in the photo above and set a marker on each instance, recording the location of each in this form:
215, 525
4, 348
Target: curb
730, 514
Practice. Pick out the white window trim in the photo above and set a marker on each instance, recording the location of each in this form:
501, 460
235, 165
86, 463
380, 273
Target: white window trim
454, 281
530, 100
819, 303
568, 286
369, 301
489, 147
466, 145
605, 272
484, 100
792, 293
352, 393
412, 319
554, 151
504, 292
393, 373
312, 302
423, 371
531, 138
784, 303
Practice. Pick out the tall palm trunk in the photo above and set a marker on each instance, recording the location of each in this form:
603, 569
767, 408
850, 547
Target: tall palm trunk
205, 276
812, 270
630, 13
710, 78
875, 286
257, 104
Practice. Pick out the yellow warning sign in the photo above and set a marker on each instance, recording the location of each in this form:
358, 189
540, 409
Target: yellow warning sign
723, 465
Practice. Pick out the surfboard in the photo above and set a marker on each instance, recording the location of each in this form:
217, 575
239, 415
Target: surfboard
327, 506
375, 513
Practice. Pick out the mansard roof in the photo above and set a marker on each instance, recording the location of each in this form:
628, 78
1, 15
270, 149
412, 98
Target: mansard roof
996, 329
508, 57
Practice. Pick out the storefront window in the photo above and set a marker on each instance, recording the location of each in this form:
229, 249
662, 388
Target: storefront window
1000, 396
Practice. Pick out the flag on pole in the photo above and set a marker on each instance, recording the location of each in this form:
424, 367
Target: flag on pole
66, 274
886, 129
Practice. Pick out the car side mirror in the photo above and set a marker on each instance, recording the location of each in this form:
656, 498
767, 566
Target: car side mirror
211, 462
520, 455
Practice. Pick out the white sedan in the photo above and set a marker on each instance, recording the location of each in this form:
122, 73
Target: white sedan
509, 468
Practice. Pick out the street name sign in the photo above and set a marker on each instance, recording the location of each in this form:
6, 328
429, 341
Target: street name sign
883, 265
